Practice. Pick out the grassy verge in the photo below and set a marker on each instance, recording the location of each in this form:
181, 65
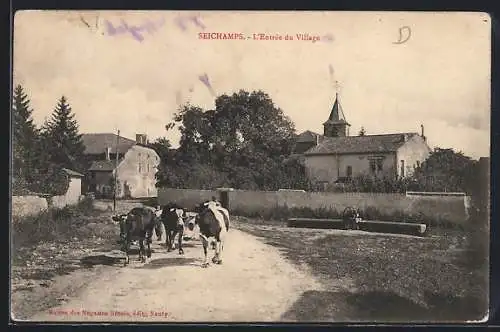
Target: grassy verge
51, 245
392, 278
370, 213
51, 224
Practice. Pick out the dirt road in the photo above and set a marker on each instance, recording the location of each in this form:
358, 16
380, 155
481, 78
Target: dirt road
255, 283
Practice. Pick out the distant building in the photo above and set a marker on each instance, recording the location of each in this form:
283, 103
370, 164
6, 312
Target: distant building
335, 155
72, 195
306, 140
136, 167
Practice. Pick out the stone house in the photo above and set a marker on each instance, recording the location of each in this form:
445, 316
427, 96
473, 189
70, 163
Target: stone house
135, 167
336, 155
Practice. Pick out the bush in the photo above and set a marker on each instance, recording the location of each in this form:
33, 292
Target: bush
50, 224
20, 187
52, 181
282, 213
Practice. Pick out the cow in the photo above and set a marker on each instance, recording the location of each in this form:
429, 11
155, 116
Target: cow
158, 211
172, 217
139, 224
120, 219
213, 222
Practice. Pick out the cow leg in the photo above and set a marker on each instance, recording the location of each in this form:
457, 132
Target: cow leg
168, 241
220, 246
127, 248
204, 241
158, 231
149, 240
172, 240
142, 253
181, 234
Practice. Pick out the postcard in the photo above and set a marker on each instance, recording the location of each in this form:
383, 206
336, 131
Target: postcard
250, 166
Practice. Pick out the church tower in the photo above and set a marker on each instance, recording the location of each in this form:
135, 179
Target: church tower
336, 125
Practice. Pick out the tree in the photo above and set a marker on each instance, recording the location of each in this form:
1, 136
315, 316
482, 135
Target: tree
61, 138
445, 170
362, 132
242, 141
24, 136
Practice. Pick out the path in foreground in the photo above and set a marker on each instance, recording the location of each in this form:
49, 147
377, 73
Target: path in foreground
255, 283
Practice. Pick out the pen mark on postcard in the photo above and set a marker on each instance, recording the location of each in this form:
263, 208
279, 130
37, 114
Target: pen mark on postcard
401, 34
84, 22
134, 30
181, 22
204, 79
328, 37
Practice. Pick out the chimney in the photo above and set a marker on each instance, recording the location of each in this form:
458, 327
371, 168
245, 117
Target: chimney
140, 138
317, 139
108, 152
422, 131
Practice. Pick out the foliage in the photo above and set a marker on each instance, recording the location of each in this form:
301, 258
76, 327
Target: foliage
20, 186
40, 154
362, 132
445, 170
119, 186
368, 213
64, 143
24, 136
241, 143
52, 180
50, 224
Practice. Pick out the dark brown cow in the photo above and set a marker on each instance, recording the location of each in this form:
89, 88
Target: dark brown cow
139, 224
173, 216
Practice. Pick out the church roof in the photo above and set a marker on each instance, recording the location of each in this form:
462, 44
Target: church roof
360, 144
337, 114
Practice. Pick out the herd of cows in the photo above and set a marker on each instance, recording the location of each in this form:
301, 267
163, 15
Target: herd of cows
140, 222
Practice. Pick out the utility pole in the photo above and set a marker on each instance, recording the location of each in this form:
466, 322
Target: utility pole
116, 171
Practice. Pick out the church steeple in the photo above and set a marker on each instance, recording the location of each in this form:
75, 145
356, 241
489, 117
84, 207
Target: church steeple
336, 125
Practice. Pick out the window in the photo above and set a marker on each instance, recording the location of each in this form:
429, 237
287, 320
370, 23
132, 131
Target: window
402, 168
148, 166
140, 168
349, 171
373, 166
380, 164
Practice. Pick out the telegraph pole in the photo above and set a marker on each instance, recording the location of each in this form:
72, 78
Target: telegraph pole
116, 171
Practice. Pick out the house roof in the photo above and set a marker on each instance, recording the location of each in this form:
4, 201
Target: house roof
73, 173
104, 165
307, 136
360, 144
97, 143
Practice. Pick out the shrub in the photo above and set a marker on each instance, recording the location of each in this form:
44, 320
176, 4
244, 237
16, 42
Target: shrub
50, 224
283, 213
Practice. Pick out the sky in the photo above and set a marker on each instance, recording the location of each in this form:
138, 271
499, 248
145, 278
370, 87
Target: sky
393, 70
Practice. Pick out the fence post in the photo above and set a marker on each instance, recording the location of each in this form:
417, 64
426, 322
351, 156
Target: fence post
224, 196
